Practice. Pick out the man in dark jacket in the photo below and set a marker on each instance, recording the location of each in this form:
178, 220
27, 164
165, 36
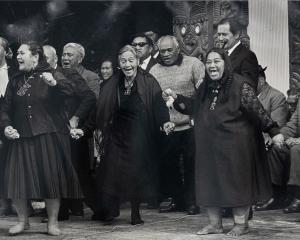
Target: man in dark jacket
276, 105
78, 110
243, 60
144, 46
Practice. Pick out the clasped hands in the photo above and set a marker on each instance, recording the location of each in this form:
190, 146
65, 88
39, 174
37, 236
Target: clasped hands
169, 96
76, 133
279, 140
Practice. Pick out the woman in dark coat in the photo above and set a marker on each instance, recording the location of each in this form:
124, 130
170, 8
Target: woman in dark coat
38, 162
226, 112
130, 112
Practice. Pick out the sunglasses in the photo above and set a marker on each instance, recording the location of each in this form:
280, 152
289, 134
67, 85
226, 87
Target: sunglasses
140, 44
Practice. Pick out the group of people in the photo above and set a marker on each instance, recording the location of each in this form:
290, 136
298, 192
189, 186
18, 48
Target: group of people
162, 126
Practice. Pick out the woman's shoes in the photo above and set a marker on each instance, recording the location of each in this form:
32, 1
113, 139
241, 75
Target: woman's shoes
19, 228
53, 230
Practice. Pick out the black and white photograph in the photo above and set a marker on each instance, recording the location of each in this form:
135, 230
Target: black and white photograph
150, 120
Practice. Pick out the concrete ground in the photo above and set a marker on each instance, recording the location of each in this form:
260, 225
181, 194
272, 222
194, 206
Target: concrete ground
269, 225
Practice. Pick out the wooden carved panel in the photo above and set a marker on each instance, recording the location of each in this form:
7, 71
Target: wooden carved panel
193, 23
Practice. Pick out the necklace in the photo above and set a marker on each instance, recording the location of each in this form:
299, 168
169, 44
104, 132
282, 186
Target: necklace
24, 88
214, 102
128, 86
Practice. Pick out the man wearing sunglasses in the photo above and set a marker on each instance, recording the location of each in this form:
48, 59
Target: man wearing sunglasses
143, 46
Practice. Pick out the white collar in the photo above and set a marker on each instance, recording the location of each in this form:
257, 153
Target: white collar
147, 60
234, 47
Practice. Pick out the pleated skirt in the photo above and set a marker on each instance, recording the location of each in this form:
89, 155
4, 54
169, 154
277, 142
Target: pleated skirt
40, 167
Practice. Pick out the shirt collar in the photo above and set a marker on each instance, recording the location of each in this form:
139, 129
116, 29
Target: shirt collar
147, 60
234, 47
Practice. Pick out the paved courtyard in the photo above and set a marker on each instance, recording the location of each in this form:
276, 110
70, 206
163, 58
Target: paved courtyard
270, 225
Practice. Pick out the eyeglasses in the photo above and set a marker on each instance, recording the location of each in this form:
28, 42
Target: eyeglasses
140, 44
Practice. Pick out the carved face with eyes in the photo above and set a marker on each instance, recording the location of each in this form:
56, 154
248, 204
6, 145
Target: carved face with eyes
192, 37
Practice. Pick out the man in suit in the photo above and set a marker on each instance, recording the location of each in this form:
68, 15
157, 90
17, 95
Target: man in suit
144, 46
153, 34
244, 61
276, 105
290, 133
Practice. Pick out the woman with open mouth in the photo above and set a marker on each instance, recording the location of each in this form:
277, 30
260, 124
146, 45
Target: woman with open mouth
38, 162
130, 112
226, 111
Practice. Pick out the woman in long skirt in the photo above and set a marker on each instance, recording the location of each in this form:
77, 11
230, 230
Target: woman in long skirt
38, 162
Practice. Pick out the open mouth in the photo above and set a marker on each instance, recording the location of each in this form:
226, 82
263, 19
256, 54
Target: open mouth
66, 64
128, 70
213, 72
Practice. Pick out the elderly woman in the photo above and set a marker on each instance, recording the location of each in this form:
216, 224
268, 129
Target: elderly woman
226, 112
38, 163
130, 112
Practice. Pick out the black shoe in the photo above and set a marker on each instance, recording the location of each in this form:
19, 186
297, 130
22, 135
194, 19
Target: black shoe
272, 204
193, 210
294, 207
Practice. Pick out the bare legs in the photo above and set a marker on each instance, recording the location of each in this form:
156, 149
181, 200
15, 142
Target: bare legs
52, 206
215, 222
21, 207
240, 216
241, 226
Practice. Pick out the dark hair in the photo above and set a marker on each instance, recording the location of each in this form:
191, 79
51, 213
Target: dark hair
227, 77
143, 35
234, 26
108, 59
36, 49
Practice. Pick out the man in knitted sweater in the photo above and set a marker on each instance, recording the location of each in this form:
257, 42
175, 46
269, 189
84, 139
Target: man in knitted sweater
182, 74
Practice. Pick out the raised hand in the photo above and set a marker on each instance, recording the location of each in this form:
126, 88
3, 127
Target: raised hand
48, 78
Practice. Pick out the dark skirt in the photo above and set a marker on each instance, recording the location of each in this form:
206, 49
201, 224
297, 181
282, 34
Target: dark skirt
40, 167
